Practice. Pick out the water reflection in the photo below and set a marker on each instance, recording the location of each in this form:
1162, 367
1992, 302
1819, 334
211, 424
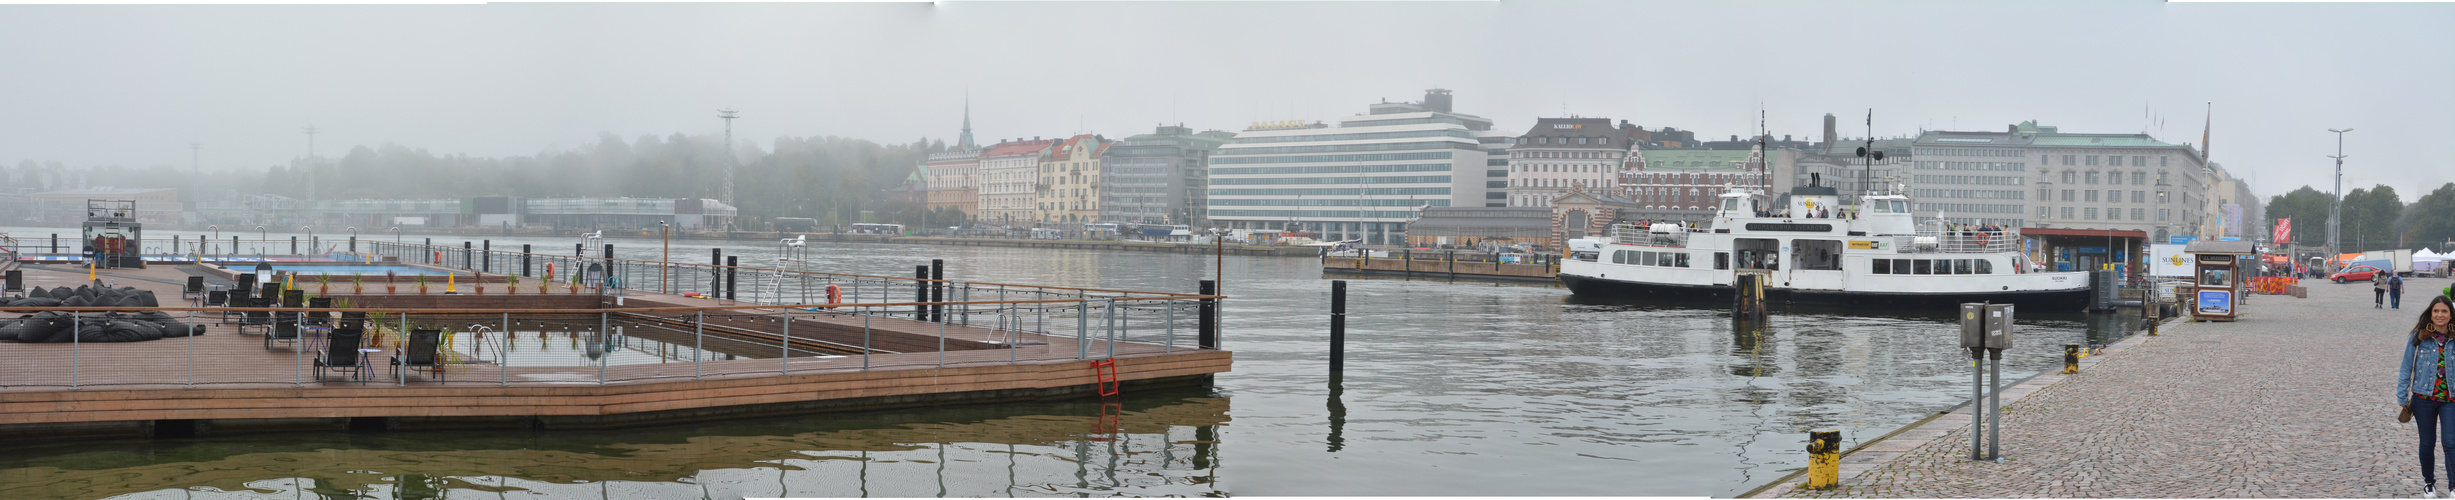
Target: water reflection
1153, 445
1338, 412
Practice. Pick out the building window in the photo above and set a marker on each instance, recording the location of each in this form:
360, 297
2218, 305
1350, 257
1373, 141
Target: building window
2069, 176
2092, 213
2092, 161
2092, 176
2139, 196
2139, 161
2114, 195
2041, 212
2092, 196
2067, 159
2161, 198
2140, 178
2066, 212
2160, 177
2162, 213
2041, 194
2161, 162
2066, 195
2139, 213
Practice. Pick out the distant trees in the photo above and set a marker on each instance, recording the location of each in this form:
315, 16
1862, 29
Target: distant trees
2308, 209
2430, 220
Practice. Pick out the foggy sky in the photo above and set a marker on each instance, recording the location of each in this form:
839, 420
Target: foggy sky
134, 85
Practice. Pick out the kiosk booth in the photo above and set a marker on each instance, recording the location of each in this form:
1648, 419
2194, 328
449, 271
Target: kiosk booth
2220, 272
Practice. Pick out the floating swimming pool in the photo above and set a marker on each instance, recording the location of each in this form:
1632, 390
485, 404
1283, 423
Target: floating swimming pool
347, 270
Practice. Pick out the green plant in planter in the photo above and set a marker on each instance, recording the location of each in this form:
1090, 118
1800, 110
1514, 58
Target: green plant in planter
421, 284
512, 282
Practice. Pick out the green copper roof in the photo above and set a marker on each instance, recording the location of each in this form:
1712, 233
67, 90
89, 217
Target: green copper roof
2109, 140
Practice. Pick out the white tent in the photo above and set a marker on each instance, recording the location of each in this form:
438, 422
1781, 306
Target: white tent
2425, 261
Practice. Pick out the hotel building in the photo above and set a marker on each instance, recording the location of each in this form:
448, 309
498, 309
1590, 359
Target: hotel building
1361, 179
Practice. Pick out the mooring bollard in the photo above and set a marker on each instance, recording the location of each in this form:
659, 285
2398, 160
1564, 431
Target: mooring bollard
2071, 358
1823, 459
1206, 333
1338, 326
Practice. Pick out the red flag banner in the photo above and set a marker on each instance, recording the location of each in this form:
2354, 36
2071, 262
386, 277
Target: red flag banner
2284, 230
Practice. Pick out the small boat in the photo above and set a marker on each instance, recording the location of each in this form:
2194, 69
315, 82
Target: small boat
1882, 256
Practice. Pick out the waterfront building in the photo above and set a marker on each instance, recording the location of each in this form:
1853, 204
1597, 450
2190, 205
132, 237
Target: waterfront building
1160, 177
1559, 152
1470, 227
1069, 181
67, 207
2034, 175
954, 175
1360, 179
1008, 176
1689, 180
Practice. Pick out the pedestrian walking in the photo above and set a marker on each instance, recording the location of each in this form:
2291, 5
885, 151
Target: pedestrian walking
2378, 289
2395, 291
2421, 387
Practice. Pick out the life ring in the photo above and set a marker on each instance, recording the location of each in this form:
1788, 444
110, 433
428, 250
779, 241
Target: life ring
835, 295
438, 258
1981, 238
549, 270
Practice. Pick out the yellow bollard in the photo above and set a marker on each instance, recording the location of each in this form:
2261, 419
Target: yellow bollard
2071, 358
1823, 459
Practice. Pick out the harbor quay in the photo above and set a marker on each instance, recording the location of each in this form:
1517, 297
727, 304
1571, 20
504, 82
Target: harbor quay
549, 355
2296, 399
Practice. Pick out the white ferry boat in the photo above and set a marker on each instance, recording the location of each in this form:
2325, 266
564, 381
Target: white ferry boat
1814, 252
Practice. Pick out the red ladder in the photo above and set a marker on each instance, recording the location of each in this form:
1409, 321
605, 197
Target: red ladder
1105, 371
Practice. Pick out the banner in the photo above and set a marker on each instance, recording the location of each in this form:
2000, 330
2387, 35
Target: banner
2284, 231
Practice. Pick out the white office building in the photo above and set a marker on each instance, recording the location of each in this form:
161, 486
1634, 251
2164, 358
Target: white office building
1361, 179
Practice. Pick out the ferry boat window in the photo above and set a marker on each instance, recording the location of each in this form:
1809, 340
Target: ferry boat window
1986, 266
1924, 266
1883, 266
1721, 260
1649, 259
1817, 255
1730, 204
1961, 266
1619, 257
1683, 259
1900, 206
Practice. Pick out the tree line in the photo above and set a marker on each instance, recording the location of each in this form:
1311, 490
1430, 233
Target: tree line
2374, 218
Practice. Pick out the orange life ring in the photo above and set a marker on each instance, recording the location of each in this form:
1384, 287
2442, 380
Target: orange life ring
1981, 238
549, 270
835, 295
438, 258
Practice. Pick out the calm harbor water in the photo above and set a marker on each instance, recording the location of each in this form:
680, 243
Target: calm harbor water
1452, 388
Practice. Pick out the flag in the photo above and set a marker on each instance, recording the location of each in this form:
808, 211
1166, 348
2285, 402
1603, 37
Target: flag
2206, 124
2284, 231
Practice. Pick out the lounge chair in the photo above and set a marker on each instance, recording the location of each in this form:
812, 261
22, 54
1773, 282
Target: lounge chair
195, 288
283, 329
259, 320
423, 353
341, 353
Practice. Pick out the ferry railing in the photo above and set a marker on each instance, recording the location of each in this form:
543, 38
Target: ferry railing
548, 347
1963, 241
1640, 234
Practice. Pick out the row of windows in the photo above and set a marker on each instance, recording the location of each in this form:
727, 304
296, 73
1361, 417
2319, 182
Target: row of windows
1982, 194
2110, 213
1328, 192
1356, 137
2112, 195
1554, 183
1333, 159
1342, 148
1557, 167
2138, 177
1969, 152
1968, 179
1338, 169
1697, 178
1589, 155
2013, 166
2111, 160
1605, 141
1933, 266
1402, 179
1970, 208
1644, 258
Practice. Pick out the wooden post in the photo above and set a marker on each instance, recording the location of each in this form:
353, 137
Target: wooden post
1207, 333
920, 293
1338, 326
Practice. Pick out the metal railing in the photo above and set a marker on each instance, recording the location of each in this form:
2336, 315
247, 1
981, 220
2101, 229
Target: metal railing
555, 347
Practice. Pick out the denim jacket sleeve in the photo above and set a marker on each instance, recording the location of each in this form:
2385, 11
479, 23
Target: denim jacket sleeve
2403, 376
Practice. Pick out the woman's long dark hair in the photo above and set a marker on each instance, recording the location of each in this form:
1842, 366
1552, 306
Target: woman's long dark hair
2421, 328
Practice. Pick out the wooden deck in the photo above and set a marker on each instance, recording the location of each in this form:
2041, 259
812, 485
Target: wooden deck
224, 380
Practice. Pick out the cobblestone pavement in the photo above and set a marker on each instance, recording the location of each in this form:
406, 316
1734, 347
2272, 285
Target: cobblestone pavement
2295, 400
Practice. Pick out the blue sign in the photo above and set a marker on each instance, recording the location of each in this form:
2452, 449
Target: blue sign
2229, 238
2180, 240
2088, 250
2216, 301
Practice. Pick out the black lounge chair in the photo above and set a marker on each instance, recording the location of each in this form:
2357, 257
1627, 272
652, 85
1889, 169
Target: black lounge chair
195, 288
341, 353
261, 321
424, 352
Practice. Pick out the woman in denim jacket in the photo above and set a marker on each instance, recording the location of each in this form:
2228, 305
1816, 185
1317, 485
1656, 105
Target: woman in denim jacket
2423, 386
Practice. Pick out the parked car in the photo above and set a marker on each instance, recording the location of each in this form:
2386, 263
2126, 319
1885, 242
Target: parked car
2355, 273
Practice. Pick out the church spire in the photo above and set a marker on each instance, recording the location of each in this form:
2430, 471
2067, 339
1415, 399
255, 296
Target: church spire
965, 144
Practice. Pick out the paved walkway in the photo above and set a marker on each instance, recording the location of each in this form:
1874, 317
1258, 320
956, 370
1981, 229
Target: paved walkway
2293, 401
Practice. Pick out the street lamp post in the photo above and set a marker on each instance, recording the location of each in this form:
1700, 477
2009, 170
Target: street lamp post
261, 237
2335, 207
664, 275
310, 230
217, 235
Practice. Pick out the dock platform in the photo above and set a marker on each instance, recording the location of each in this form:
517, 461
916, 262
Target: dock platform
223, 381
